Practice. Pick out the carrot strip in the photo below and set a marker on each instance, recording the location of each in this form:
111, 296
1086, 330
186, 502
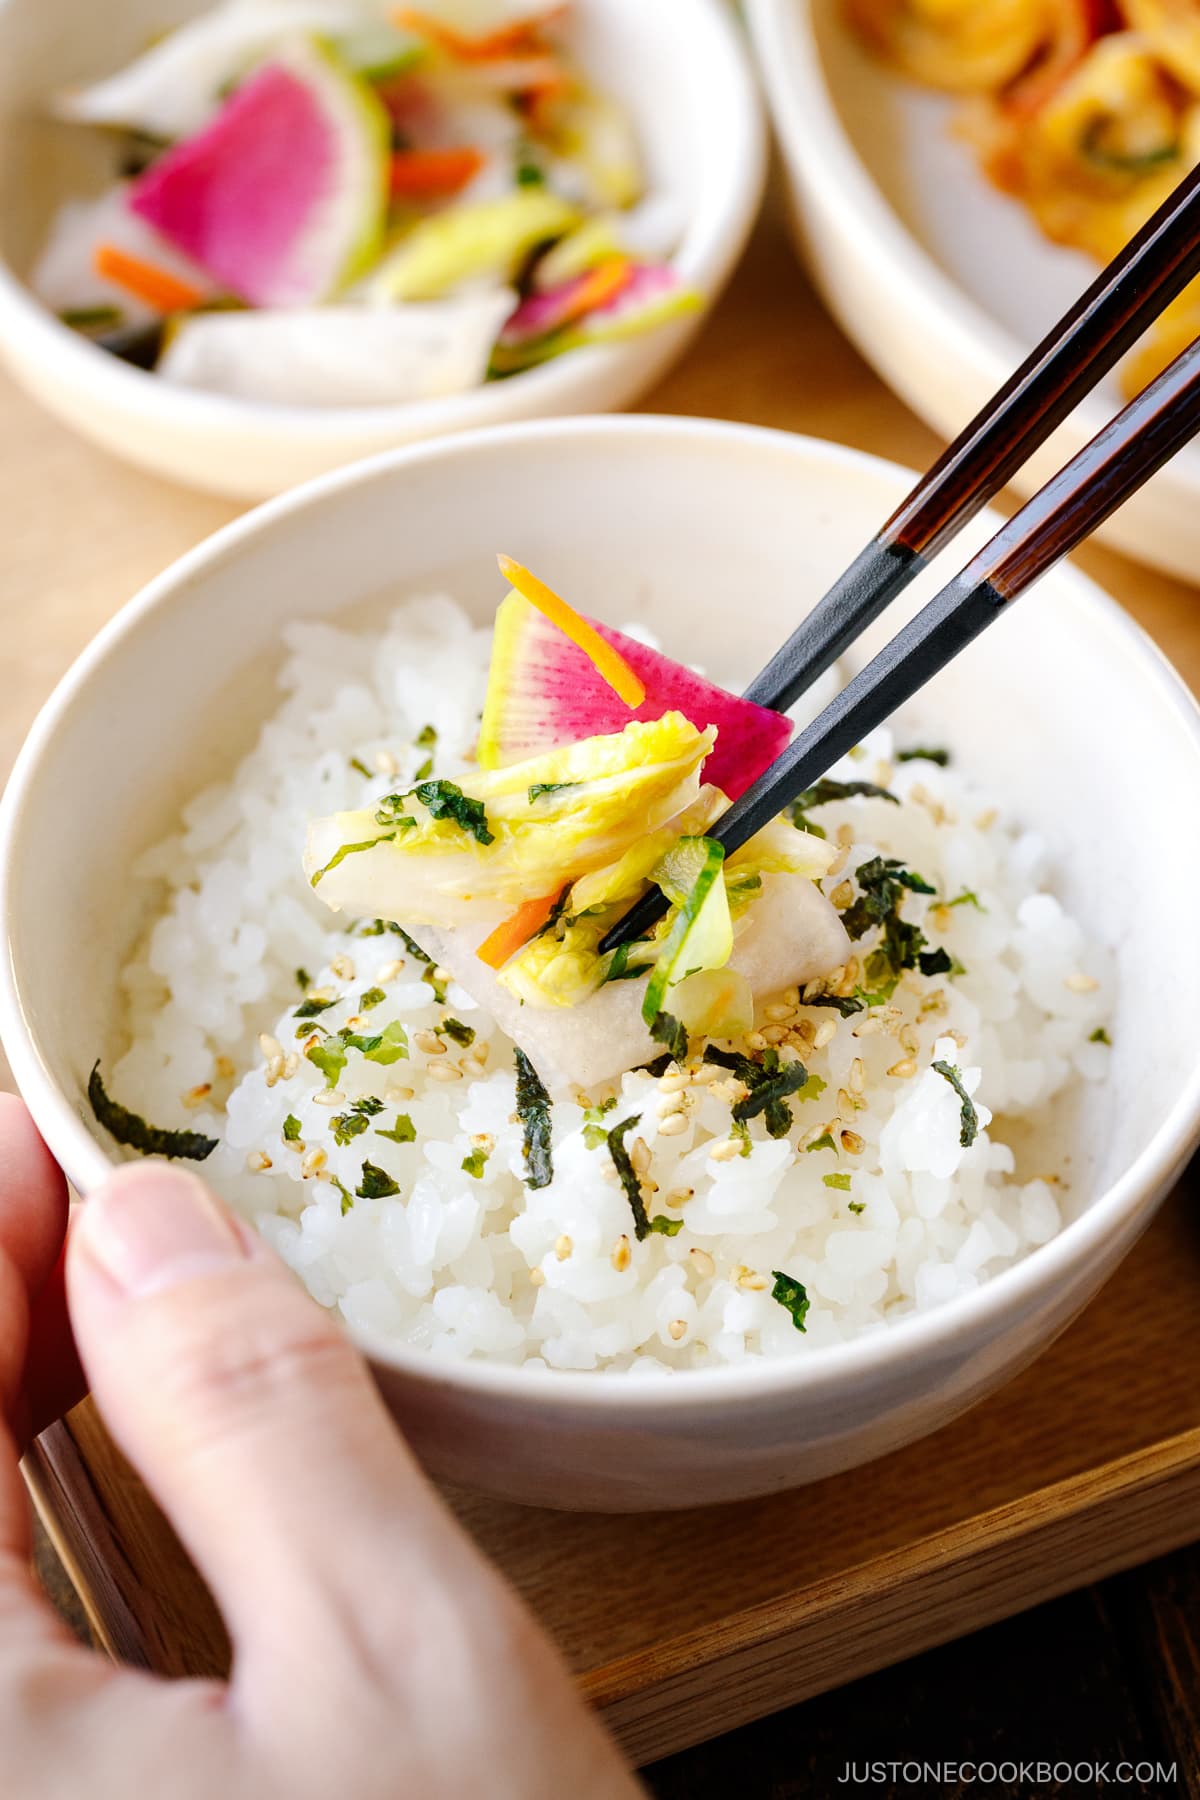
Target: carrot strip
598, 287
157, 287
607, 662
511, 934
512, 40
433, 174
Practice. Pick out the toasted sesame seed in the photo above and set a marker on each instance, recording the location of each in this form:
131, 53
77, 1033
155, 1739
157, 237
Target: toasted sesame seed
563, 1247
790, 997
778, 1011
429, 1042
677, 1329
986, 820
840, 860
773, 1034
390, 970
845, 836
313, 1161
835, 978
804, 1030
311, 1042
824, 1034
483, 1140
273, 1071
724, 1149
668, 1104
702, 1262
291, 1063
673, 1124
639, 1156
904, 1069
622, 1255
342, 966
884, 774
749, 1280
224, 1068
729, 1089
322, 993
385, 762
934, 1003
196, 1096
396, 1091
959, 1037
328, 1097
270, 1046
704, 1074
870, 1027
444, 1072
442, 974
673, 1082
537, 1277
1079, 983
356, 1021
472, 1067
852, 1143
857, 1077
257, 1161
846, 1101
908, 1039
842, 895
755, 1040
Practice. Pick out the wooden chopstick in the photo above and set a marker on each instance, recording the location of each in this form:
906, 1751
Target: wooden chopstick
1134, 288
1129, 450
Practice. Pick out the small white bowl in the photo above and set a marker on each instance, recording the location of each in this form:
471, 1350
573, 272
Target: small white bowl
719, 537
944, 283
680, 68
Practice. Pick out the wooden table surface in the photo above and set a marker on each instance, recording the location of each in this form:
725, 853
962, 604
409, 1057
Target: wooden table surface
1102, 1672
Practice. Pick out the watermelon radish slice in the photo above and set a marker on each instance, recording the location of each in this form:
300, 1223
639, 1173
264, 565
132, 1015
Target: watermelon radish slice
651, 296
543, 691
283, 197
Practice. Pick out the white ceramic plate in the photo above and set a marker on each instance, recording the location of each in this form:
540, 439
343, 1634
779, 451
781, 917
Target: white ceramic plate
944, 283
678, 66
1064, 709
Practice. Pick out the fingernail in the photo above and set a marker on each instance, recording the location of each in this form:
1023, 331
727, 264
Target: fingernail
151, 1227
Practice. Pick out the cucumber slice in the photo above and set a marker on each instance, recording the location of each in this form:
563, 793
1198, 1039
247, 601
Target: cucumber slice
701, 935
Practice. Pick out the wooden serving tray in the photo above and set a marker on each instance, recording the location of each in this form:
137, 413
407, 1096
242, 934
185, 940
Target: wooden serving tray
681, 1627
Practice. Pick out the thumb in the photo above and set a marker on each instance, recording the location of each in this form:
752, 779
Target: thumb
245, 1408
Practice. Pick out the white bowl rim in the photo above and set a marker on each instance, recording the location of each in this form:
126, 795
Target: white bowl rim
711, 244
921, 1335
812, 132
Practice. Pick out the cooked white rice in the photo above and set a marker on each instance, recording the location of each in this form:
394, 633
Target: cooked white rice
895, 1217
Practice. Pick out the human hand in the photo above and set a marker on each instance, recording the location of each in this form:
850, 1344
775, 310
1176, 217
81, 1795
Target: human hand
376, 1652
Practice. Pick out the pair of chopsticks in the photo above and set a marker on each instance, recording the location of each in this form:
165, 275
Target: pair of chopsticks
1128, 295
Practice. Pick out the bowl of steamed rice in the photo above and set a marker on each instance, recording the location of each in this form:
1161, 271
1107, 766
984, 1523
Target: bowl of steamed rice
865, 1159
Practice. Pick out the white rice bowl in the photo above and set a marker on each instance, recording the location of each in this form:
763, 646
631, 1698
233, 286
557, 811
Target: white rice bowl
478, 1264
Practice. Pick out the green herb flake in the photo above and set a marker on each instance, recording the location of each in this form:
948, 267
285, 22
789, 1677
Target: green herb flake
372, 997
347, 1196
474, 1163
968, 898
427, 737
391, 811
550, 787
430, 976
1100, 1036
845, 1004
414, 949
352, 1124
533, 1110
920, 754
822, 792
443, 800
329, 1058
360, 767
769, 1096
402, 1132
667, 1030
792, 1295
339, 856
387, 1047
666, 1227
311, 1009
376, 1184
595, 1132
454, 1028
130, 1128
291, 1129
741, 1131
857, 1206
937, 962
92, 318
425, 770
303, 980
841, 1181
824, 1142
969, 1127
623, 1164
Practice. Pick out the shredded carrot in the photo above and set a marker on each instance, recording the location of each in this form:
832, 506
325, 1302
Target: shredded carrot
607, 662
160, 289
433, 174
512, 40
509, 936
597, 288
